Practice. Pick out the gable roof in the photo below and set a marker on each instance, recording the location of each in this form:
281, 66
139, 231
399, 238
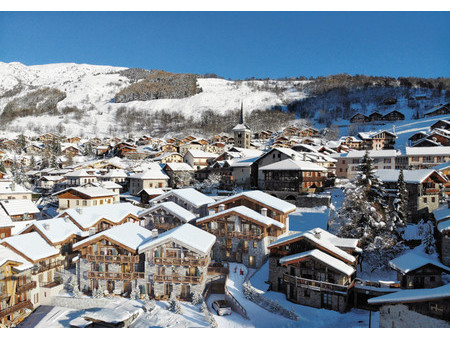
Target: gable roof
19, 207
321, 256
130, 235
55, 230
173, 208
152, 174
90, 192
290, 164
262, 198
410, 176
411, 261
246, 213
187, 235
189, 195
7, 255
31, 245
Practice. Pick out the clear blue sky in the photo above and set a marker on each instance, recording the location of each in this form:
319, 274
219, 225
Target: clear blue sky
235, 44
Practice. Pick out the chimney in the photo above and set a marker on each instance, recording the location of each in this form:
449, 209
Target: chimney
79, 210
221, 207
154, 233
264, 212
13, 186
46, 226
317, 234
304, 156
294, 157
66, 219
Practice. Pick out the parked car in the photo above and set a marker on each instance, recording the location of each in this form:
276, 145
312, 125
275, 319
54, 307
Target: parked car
221, 307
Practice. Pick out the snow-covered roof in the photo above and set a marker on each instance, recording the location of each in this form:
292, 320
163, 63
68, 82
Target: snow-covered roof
88, 216
411, 261
324, 258
200, 153
19, 207
410, 176
152, 174
175, 166
51, 178
245, 212
189, 195
187, 235
290, 164
128, 234
173, 208
444, 225
243, 162
263, 198
441, 213
115, 173
152, 191
5, 220
31, 245
318, 236
56, 230
427, 151
442, 166
241, 127
372, 153
413, 295
78, 173
89, 191
6, 254
9, 188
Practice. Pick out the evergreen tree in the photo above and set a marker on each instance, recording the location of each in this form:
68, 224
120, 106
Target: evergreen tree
53, 161
174, 305
365, 215
2, 167
400, 205
32, 162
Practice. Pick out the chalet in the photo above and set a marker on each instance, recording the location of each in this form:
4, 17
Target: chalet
102, 150
180, 174
20, 210
85, 197
441, 109
352, 142
46, 261
444, 170
378, 140
124, 148
70, 150
442, 218
375, 116
6, 224
95, 141
166, 216
75, 140
49, 183
293, 175
308, 132
169, 148
176, 261
441, 124
359, 118
394, 116
198, 159
423, 308
169, 158
109, 260
16, 286
216, 148
416, 137
442, 138
188, 198
33, 149
423, 189
152, 178
147, 194
102, 217
48, 138
78, 178
418, 272
240, 170
314, 268
11, 191
115, 175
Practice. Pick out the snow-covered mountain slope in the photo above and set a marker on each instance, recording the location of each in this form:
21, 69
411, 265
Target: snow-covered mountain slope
91, 89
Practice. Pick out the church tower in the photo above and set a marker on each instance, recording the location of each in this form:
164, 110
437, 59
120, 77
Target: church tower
242, 133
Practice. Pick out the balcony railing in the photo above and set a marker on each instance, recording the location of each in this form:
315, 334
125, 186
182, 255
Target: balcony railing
19, 306
164, 226
431, 191
178, 279
112, 258
316, 284
26, 287
45, 267
187, 261
115, 275
235, 234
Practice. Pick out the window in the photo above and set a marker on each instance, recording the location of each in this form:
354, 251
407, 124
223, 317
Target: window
433, 199
425, 200
255, 244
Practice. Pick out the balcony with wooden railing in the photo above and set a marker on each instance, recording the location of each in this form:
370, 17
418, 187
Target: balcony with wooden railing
45, 267
164, 226
235, 234
17, 307
178, 279
317, 285
112, 258
431, 191
26, 287
186, 261
115, 275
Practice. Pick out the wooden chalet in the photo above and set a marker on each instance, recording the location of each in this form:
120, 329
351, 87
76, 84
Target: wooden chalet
394, 116
359, 118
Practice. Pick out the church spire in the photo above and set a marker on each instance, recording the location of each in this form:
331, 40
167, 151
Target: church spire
241, 118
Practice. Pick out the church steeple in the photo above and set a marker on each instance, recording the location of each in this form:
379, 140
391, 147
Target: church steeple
242, 133
241, 118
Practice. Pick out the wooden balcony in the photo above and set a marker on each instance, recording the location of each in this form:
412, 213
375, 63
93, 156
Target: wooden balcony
235, 234
26, 287
178, 279
431, 191
120, 259
218, 270
17, 307
187, 261
115, 275
316, 285
164, 226
45, 267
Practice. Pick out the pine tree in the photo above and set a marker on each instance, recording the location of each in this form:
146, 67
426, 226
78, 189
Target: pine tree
53, 161
196, 298
400, 205
2, 167
32, 162
428, 240
174, 305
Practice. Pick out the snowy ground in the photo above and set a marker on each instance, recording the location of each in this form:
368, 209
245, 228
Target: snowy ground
304, 219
